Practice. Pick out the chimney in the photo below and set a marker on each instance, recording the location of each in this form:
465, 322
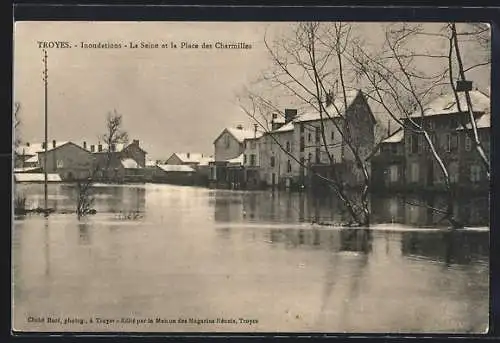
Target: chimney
239, 127
290, 114
85, 145
135, 142
187, 155
329, 99
43, 145
27, 143
53, 143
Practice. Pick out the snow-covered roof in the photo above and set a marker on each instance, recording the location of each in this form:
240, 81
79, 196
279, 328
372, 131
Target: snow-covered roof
32, 159
205, 161
396, 137
176, 168
334, 110
447, 104
242, 134
25, 170
118, 146
483, 122
237, 160
129, 163
150, 163
189, 157
35, 148
36, 177
285, 128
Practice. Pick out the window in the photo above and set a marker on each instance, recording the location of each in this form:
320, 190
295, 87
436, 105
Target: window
113, 147
309, 137
414, 172
393, 173
332, 135
420, 143
92, 148
288, 146
301, 127
413, 143
309, 158
453, 142
245, 159
318, 155
475, 173
301, 144
252, 159
99, 147
431, 125
272, 161
468, 143
447, 142
60, 164
317, 134
453, 172
394, 149
289, 166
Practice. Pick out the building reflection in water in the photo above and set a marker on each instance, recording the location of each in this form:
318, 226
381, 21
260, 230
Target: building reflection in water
289, 207
449, 247
84, 237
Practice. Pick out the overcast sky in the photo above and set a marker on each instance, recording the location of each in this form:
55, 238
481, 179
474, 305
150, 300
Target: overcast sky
170, 99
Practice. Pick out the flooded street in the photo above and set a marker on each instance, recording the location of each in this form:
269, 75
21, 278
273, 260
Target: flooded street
155, 256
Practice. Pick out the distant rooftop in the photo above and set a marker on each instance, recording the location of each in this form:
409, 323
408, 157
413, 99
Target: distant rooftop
447, 104
396, 137
176, 168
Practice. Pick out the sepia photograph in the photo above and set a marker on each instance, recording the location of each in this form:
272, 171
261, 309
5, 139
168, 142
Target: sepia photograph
251, 177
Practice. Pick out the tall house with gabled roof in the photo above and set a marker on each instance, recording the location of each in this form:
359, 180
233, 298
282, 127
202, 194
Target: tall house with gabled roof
443, 120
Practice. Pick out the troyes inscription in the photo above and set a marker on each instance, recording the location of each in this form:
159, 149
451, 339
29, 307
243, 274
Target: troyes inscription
140, 44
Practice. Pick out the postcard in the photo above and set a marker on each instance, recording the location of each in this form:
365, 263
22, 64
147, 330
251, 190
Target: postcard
283, 177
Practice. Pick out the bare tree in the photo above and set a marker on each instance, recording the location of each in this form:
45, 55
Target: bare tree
469, 118
397, 84
307, 66
114, 135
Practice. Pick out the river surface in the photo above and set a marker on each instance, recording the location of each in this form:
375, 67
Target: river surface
163, 258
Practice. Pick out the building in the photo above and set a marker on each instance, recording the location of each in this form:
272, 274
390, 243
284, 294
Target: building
67, 159
443, 121
173, 174
388, 164
279, 153
226, 171
118, 163
199, 162
313, 143
188, 158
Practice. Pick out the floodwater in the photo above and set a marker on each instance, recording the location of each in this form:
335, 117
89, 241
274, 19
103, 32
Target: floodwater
163, 258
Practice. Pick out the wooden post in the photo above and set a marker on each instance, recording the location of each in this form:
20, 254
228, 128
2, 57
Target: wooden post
46, 134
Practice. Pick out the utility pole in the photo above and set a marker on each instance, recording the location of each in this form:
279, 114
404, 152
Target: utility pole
46, 132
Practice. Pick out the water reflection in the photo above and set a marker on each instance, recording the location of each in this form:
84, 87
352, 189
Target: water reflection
449, 247
84, 233
206, 253
106, 198
285, 207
